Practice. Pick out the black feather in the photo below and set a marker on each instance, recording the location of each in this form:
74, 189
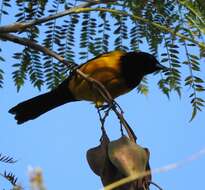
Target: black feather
34, 107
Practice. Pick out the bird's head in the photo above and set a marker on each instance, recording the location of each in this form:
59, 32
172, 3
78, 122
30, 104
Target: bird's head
149, 63
142, 63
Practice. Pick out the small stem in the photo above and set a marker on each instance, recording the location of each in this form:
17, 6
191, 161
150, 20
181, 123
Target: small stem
156, 185
121, 126
103, 119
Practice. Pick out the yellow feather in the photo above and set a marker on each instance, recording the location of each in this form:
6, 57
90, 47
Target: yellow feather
105, 69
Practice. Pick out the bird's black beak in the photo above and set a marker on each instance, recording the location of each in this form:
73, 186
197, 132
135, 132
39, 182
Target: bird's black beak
162, 67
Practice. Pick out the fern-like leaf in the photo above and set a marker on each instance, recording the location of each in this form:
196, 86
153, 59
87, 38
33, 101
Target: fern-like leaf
7, 159
10, 177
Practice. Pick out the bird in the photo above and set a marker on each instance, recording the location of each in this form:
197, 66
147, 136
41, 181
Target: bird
119, 71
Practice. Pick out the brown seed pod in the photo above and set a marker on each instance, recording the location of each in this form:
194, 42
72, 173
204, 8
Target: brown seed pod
130, 159
117, 159
97, 156
127, 156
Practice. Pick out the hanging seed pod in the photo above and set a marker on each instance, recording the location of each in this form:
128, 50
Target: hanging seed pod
130, 159
117, 159
127, 156
97, 156
100, 164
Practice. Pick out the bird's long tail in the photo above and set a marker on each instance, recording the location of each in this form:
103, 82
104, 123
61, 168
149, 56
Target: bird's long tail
34, 107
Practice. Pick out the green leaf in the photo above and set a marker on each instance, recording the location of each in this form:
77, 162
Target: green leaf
194, 111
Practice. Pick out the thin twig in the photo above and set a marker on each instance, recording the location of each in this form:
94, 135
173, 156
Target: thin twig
96, 84
144, 20
155, 184
16, 27
103, 119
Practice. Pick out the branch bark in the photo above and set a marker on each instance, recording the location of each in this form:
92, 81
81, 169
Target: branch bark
17, 27
35, 46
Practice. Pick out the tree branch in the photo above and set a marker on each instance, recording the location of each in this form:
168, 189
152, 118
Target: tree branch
96, 84
144, 20
35, 46
17, 27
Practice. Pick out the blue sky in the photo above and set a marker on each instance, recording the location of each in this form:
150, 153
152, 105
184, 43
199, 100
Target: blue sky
57, 141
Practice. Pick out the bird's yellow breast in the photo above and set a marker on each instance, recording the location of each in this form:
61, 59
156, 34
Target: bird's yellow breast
107, 70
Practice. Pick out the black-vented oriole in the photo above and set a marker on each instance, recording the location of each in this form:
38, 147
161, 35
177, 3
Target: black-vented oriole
118, 71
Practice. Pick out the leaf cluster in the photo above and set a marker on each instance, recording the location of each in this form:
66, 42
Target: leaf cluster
9, 176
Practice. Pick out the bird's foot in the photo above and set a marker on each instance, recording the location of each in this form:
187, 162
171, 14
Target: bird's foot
105, 107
